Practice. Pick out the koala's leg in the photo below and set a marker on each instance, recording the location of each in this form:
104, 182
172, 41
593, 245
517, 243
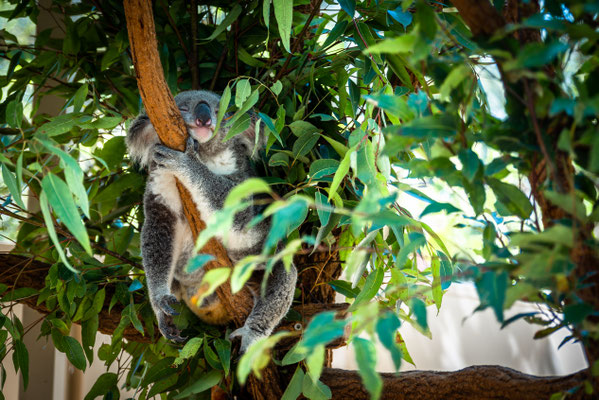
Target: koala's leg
158, 243
269, 309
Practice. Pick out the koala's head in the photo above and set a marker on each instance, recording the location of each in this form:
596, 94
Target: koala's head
198, 109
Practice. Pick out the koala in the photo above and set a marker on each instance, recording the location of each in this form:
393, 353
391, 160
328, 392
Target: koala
209, 168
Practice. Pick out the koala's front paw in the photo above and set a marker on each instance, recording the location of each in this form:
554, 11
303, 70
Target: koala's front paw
166, 157
166, 303
192, 146
165, 313
168, 328
248, 336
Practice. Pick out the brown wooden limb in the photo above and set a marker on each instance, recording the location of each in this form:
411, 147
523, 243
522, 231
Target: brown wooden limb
477, 382
166, 119
480, 16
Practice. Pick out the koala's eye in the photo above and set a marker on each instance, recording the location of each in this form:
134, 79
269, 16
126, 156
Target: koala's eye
184, 108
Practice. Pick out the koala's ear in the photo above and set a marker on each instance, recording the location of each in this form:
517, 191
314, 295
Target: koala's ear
140, 140
253, 139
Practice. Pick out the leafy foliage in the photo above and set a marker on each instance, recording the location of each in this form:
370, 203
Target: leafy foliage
359, 104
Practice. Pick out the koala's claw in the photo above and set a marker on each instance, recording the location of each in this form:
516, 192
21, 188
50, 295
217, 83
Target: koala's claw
166, 304
192, 145
165, 157
169, 330
248, 336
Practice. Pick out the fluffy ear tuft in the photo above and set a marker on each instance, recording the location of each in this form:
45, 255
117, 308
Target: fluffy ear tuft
253, 139
141, 139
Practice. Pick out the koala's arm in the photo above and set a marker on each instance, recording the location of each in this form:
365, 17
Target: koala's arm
269, 309
158, 241
208, 190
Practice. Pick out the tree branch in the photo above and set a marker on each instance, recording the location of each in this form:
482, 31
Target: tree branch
477, 382
480, 16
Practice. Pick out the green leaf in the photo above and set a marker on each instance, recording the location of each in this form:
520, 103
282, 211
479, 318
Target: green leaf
344, 288
334, 34
14, 114
341, 172
189, 350
371, 287
366, 360
240, 124
60, 198
323, 329
419, 309
13, 187
314, 389
436, 283
223, 349
229, 19
296, 354
435, 207
279, 159
203, 383
49, 222
576, 313
247, 105
294, 389
491, 288
213, 279
339, 148
74, 352
277, 87
349, 6
73, 174
59, 125
323, 214
470, 163
432, 126
285, 220
323, 167
20, 358
242, 92
401, 44
266, 13
19, 293
386, 329
258, 356
248, 188
79, 97
511, 198
102, 386
284, 16
571, 203
242, 272
301, 128
198, 261
225, 99
315, 362
304, 144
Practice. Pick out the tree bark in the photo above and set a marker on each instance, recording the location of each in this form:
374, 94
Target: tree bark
478, 382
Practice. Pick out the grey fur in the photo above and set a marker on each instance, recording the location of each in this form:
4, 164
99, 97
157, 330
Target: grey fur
209, 170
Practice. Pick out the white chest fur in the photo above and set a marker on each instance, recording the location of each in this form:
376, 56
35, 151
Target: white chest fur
223, 163
162, 183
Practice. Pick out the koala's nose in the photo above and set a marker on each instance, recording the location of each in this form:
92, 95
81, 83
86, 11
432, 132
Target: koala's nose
203, 115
